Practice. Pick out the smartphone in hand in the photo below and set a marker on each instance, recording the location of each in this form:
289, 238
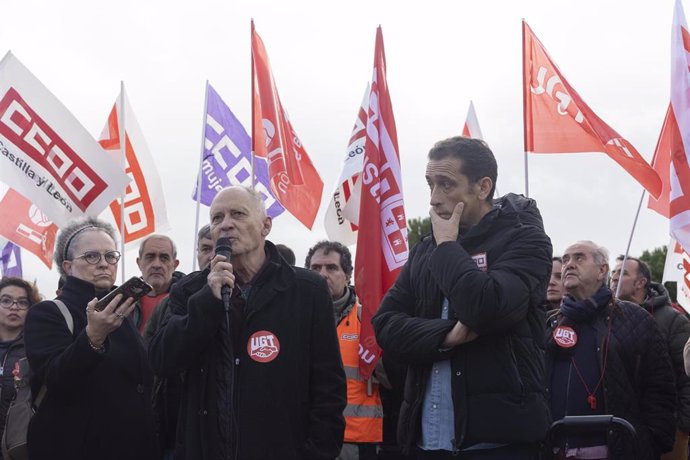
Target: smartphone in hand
134, 287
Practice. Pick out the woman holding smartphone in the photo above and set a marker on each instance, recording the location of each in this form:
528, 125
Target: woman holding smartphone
97, 380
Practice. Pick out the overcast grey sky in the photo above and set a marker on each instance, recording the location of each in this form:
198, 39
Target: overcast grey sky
440, 54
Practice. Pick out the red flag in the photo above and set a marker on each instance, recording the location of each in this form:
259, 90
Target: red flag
294, 180
673, 147
662, 165
27, 227
557, 120
382, 239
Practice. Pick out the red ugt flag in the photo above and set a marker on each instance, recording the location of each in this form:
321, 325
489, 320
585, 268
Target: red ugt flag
294, 180
557, 120
673, 148
662, 165
382, 240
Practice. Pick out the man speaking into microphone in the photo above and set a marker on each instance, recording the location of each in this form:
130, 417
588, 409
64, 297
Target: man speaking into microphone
263, 375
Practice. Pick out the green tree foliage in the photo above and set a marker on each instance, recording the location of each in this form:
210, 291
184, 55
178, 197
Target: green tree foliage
655, 259
417, 228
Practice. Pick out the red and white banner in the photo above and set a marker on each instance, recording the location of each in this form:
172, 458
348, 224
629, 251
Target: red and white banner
26, 226
382, 238
342, 214
294, 180
557, 120
471, 128
144, 202
46, 154
677, 269
673, 148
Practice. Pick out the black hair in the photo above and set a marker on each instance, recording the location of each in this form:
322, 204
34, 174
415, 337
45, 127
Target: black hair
477, 159
643, 270
328, 246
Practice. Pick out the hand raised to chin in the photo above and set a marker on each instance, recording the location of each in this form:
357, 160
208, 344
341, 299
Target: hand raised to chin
446, 229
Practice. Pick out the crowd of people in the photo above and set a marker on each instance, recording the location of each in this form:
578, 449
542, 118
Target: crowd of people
487, 340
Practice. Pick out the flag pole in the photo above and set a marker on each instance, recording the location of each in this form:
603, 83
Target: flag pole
627, 249
198, 179
524, 109
123, 162
251, 42
526, 177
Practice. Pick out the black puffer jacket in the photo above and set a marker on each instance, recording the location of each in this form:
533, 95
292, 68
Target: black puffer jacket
638, 379
495, 278
290, 407
675, 328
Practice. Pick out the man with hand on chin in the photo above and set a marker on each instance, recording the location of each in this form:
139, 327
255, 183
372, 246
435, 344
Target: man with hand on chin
465, 316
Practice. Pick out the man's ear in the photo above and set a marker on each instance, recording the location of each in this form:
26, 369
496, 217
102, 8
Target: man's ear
485, 186
603, 272
267, 226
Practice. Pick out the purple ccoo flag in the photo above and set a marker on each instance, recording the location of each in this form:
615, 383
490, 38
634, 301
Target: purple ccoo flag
11, 260
228, 156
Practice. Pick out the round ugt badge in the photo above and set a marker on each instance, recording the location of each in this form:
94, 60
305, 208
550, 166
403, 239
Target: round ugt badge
263, 346
565, 337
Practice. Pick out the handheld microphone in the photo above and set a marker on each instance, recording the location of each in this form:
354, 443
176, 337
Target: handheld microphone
224, 248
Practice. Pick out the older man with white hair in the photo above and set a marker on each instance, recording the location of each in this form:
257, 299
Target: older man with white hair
606, 356
263, 379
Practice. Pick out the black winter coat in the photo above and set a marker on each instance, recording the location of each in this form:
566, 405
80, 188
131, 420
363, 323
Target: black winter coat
97, 406
15, 352
675, 328
288, 408
638, 380
495, 278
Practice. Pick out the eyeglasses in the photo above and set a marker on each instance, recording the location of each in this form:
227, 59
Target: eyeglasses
93, 257
7, 302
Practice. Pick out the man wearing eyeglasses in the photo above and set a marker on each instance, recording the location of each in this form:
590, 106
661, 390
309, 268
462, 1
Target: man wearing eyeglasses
157, 261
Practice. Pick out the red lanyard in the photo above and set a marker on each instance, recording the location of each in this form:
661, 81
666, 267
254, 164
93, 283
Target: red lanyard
591, 398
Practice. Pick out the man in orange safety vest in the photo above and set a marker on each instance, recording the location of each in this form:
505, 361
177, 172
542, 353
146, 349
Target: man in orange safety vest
364, 412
